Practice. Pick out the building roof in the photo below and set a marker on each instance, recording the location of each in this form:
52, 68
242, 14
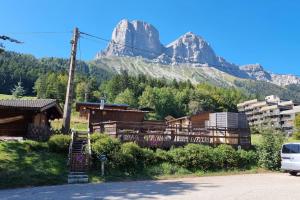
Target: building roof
187, 117
31, 105
245, 103
121, 110
97, 104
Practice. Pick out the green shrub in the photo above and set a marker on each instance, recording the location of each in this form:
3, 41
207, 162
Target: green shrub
98, 136
108, 146
59, 143
225, 157
269, 149
247, 159
162, 156
193, 156
134, 158
31, 145
167, 169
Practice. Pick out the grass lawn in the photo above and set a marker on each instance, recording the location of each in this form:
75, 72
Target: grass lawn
167, 172
7, 96
256, 139
30, 163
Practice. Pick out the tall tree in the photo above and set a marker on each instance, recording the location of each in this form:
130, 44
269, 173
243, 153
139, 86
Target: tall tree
127, 97
18, 91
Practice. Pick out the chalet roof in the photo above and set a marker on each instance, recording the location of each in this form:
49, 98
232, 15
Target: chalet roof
31, 105
97, 104
188, 116
169, 117
122, 110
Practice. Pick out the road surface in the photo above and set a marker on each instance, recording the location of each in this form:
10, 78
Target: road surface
269, 186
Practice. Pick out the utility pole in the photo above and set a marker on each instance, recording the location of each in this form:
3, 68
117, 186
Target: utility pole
70, 87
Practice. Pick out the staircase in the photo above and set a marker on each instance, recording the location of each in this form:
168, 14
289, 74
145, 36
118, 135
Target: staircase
79, 157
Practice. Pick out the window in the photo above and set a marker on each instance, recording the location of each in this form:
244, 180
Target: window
291, 148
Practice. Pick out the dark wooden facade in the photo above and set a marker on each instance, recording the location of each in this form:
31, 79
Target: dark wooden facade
23, 118
107, 115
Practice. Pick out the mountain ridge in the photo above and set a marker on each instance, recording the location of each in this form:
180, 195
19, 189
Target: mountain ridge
141, 39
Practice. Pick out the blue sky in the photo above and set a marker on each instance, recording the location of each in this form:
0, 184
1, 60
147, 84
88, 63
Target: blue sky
241, 31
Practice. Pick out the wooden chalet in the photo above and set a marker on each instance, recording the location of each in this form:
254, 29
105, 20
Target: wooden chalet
28, 118
130, 125
84, 107
196, 120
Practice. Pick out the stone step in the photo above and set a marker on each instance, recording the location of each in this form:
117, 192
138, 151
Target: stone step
77, 180
77, 173
77, 176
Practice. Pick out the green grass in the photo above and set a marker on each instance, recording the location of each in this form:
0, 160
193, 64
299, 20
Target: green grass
30, 163
6, 96
167, 171
291, 139
257, 138
77, 125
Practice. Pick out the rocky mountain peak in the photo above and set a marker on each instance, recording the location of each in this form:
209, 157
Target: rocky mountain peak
134, 38
191, 48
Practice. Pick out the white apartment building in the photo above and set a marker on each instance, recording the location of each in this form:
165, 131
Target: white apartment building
272, 111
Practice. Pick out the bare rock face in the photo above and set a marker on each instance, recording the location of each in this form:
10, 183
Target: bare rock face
256, 72
191, 48
285, 79
135, 38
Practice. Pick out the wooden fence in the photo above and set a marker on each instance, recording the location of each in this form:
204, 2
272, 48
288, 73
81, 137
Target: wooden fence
158, 135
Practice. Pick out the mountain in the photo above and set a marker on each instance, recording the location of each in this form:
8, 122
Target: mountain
256, 72
140, 39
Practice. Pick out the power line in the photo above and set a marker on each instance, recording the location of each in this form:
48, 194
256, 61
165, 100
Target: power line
39, 32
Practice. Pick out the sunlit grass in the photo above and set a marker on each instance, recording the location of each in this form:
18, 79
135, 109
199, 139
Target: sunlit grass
77, 123
30, 163
7, 96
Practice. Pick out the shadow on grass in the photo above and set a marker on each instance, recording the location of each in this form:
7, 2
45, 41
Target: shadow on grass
30, 164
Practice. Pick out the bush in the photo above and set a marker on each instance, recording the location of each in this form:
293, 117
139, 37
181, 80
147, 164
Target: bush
166, 168
193, 156
98, 136
247, 159
134, 158
269, 149
31, 145
59, 143
225, 157
162, 156
107, 146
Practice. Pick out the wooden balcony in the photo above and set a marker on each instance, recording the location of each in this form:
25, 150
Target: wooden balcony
156, 134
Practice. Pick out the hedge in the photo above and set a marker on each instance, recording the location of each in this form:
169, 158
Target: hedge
130, 158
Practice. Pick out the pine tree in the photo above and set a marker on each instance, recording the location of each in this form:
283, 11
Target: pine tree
18, 91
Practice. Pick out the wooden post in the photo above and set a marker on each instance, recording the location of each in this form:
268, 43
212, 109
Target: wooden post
70, 87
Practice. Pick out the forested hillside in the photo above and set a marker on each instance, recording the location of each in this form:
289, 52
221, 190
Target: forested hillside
15, 67
47, 78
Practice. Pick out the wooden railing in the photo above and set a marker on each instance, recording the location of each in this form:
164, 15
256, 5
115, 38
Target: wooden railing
159, 135
70, 147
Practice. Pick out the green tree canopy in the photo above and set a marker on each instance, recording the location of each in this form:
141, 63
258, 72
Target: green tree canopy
127, 97
18, 91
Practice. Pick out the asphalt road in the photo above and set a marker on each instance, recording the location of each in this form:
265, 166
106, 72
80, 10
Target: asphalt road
269, 186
